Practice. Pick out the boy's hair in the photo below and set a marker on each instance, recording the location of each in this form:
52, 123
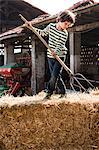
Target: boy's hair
66, 16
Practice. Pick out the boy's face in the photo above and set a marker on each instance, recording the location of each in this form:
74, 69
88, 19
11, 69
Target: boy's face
65, 25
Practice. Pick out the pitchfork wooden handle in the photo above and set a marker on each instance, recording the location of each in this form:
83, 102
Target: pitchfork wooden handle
45, 43
23, 18
27, 24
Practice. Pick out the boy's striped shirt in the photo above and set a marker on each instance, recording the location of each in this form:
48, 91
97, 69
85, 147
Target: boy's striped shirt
57, 40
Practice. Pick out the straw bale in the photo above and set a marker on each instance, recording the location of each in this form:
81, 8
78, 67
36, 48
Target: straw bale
95, 92
58, 125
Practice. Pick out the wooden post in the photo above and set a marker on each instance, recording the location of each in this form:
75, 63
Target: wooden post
71, 47
5, 55
8, 54
77, 51
75, 48
33, 77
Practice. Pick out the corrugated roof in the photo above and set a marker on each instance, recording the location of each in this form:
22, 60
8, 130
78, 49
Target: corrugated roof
82, 3
46, 19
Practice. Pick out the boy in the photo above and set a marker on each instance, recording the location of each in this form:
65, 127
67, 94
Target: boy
57, 39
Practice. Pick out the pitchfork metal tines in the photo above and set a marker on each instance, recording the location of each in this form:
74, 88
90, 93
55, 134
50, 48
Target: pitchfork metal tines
75, 79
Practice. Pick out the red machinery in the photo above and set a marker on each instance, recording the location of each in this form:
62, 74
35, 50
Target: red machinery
17, 77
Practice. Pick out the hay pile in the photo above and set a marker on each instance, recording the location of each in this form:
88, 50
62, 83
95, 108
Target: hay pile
58, 124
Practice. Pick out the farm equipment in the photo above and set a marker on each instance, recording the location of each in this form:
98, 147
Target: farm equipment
15, 78
75, 79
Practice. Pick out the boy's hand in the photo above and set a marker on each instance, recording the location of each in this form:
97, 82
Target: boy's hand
53, 53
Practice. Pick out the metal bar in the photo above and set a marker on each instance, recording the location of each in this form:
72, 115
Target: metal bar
84, 79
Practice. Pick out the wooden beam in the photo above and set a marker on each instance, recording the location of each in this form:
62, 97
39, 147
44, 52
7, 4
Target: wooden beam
84, 27
71, 47
87, 8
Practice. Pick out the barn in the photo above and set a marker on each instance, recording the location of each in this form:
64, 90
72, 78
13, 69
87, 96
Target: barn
83, 42
29, 122
12, 44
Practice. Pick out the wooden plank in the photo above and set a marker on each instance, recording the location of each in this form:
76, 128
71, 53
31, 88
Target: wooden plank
87, 8
84, 27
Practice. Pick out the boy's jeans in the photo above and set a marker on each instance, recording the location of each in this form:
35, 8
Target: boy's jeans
55, 68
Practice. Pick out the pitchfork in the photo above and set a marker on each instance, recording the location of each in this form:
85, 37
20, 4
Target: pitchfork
73, 77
